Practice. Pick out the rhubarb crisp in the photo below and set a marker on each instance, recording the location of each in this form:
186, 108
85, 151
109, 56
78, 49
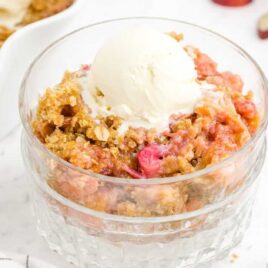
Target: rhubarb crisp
224, 120
35, 11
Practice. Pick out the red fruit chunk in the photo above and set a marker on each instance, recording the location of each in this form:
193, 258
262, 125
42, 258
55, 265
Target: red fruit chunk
232, 3
263, 26
149, 160
233, 80
246, 109
205, 65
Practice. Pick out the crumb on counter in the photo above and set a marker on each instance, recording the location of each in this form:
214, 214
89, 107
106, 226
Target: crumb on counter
234, 258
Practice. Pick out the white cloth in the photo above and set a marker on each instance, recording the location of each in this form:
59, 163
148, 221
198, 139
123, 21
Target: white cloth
11, 260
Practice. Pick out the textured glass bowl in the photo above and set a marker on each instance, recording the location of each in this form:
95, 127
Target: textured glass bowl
90, 238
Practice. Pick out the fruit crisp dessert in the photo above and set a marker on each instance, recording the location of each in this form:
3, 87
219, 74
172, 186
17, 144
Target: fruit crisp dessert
18, 13
147, 107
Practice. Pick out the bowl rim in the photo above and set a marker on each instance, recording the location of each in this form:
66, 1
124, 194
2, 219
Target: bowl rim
149, 181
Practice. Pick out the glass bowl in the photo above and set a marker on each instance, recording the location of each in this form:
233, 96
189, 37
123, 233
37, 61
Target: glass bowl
140, 223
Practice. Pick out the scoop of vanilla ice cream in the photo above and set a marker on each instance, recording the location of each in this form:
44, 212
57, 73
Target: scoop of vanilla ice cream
12, 11
143, 76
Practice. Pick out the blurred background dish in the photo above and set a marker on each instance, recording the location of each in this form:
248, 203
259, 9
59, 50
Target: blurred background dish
20, 49
19, 13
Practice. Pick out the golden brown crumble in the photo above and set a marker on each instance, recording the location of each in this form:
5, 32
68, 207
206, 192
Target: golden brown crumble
4, 34
40, 9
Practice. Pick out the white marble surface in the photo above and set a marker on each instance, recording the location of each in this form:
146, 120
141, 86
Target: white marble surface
17, 227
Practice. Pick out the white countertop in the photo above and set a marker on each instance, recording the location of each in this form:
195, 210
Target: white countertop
17, 225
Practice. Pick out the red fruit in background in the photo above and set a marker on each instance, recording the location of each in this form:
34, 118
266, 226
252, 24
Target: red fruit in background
232, 3
149, 160
263, 26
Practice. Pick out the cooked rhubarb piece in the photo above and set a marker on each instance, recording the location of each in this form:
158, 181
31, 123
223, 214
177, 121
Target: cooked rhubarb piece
149, 160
